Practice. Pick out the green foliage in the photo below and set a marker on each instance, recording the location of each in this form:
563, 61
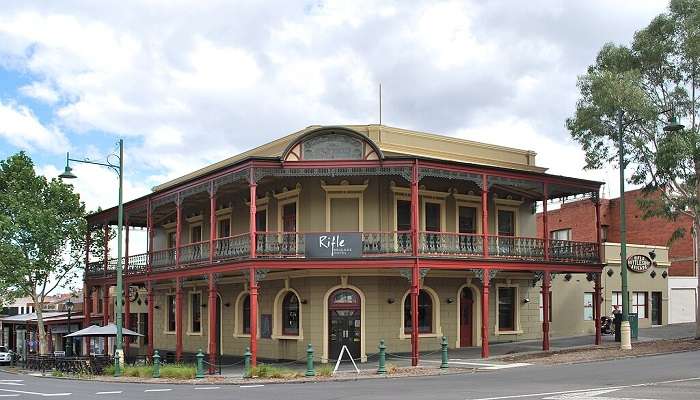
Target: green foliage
324, 370
658, 72
268, 371
56, 373
178, 371
42, 231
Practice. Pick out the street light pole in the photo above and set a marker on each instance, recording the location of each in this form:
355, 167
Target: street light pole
119, 169
625, 332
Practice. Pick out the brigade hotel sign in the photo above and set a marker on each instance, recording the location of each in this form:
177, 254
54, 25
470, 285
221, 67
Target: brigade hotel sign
333, 245
638, 263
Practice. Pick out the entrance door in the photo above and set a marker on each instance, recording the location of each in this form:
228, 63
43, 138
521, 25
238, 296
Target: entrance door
344, 323
466, 306
656, 308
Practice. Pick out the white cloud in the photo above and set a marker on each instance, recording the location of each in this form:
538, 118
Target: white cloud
189, 83
20, 127
40, 91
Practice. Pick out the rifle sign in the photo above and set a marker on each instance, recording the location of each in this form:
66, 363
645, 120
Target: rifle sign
333, 245
638, 263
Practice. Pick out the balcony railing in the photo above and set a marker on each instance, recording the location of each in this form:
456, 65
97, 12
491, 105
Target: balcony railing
281, 245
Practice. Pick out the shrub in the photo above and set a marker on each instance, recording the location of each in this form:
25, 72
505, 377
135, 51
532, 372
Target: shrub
56, 373
268, 371
324, 370
178, 371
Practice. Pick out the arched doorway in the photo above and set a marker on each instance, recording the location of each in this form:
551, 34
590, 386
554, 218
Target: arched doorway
466, 317
344, 323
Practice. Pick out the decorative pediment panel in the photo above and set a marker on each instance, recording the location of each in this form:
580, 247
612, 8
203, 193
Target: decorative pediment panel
331, 143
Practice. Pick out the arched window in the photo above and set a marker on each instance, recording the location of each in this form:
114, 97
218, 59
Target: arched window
425, 313
246, 314
290, 314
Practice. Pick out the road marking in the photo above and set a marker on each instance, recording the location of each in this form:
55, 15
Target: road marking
114, 392
36, 393
592, 394
11, 380
9, 395
481, 365
157, 390
11, 383
520, 396
251, 386
207, 388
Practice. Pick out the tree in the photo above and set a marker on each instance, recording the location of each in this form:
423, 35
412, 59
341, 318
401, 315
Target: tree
42, 234
658, 72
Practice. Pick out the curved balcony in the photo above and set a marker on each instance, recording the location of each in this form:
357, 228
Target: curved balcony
292, 245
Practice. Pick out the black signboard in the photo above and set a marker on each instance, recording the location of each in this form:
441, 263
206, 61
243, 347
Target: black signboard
333, 245
638, 263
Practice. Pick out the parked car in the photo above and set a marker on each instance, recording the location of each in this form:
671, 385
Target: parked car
5, 355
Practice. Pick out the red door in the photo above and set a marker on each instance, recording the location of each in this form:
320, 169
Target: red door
466, 306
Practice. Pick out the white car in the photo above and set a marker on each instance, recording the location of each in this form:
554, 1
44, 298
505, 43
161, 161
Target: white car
5, 355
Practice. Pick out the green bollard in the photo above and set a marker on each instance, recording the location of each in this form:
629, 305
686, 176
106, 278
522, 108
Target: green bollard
156, 365
200, 365
444, 353
246, 363
382, 358
310, 361
117, 368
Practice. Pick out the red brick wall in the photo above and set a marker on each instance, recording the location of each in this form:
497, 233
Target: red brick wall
579, 216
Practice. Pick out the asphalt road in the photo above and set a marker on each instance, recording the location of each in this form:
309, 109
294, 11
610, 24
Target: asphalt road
667, 377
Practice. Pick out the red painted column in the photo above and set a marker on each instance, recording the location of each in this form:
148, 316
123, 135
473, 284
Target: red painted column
597, 226
127, 303
546, 284
106, 248
597, 296
178, 319
485, 314
485, 213
87, 311
545, 234
178, 230
213, 323
151, 317
149, 238
212, 222
253, 196
415, 271
253, 290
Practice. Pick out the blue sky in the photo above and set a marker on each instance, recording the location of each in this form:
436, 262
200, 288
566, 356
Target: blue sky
187, 86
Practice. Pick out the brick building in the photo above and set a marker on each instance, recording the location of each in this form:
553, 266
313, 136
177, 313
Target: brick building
576, 221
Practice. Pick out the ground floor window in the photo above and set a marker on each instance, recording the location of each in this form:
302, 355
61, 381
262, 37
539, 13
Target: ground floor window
246, 314
290, 314
588, 306
425, 313
171, 313
506, 308
617, 301
639, 304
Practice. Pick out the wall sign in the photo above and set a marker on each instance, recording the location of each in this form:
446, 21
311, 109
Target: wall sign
638, 263
333, 245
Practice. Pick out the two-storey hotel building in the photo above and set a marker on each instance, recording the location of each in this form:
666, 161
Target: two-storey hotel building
342, 236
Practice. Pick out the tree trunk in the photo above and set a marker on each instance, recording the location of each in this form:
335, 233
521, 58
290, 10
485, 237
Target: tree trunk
41, 331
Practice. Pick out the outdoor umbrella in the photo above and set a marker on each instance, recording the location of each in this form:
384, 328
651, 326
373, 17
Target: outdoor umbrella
107, 330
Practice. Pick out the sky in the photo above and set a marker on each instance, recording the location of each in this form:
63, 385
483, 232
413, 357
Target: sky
188, 83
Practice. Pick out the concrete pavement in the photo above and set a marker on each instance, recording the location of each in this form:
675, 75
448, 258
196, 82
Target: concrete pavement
671, 377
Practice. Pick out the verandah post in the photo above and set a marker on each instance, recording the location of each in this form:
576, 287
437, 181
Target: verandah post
545, 227
485, 313
546, 283
213, 323
253, 290
127, 303
415, 270
212, 222
178, 229
151, 316
485, 213
596, 309
252, 226
178, 319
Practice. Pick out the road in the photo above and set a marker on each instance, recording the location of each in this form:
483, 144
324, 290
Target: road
667, 377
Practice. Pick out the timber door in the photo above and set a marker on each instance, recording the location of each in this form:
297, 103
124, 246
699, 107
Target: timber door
344, 323
466, 316
656, 308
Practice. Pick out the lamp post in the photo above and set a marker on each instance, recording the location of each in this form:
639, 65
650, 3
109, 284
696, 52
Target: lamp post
625, 331
69, 341
119, 169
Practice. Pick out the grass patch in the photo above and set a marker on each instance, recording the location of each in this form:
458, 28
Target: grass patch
324, 370
268, 371
175, 371
56, 373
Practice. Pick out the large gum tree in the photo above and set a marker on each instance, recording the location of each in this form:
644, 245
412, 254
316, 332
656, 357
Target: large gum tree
42, 235
658, 72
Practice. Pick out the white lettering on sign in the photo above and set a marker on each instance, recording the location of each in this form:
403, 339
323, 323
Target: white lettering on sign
638, 263
333, 242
